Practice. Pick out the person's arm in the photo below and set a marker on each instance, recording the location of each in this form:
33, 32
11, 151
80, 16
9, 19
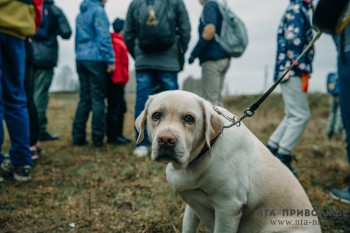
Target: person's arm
103, 38
129, 33
183, 25
63, 27
209, 17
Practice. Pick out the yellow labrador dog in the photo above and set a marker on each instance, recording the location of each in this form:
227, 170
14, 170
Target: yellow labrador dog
227, 177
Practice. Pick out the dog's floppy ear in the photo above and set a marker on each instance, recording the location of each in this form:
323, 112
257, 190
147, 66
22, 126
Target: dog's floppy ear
213, 123
141, 122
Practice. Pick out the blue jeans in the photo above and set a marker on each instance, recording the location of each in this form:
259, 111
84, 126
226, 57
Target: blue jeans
13, 101
344, 96
149, 82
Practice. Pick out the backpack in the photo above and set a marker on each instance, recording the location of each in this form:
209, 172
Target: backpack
156, 30
233, 37
332, 84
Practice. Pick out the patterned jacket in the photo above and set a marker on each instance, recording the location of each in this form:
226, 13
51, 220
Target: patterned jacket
294, 34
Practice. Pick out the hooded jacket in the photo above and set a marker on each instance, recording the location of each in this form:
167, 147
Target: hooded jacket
43, 51
167, 60
92, 39
294, 34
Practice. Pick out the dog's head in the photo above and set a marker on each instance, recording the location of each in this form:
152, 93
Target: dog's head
179, 124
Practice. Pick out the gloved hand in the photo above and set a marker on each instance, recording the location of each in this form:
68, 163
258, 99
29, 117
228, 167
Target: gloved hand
190, 60
305, 82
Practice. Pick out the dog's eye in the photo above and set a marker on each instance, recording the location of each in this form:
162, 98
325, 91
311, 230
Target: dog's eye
156, 116
188, 119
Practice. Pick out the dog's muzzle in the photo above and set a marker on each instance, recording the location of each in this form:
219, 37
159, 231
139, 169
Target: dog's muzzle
166, 151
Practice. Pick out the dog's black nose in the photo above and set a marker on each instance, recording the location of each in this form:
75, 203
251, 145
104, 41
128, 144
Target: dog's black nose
166, 140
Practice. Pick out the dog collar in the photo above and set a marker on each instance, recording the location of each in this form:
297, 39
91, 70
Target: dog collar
206, 148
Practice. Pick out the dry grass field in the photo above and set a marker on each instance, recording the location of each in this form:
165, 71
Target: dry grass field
83, 189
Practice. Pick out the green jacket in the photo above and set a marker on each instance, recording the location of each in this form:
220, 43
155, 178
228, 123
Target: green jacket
17, 18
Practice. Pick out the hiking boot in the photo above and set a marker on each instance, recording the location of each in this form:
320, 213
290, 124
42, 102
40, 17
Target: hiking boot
141, 151
286, 159
22, 173
48, 137
341, 195
6, 168
272, 150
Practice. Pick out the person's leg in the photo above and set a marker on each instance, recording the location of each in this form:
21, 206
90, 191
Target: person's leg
344, 97
112, 112
223, 64
144, 88
98, 81
33, 115
84, 106
331, 116
15, 104
121, 109
298, 112
167, 80
211, 82
42, 83
338, 125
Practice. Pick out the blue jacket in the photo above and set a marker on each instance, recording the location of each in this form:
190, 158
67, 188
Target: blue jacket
209, 50
92, 39
294, 34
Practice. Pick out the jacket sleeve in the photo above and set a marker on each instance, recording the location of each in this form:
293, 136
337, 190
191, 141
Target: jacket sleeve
183, 25
130, 29
63, 27
103, 39
209, 16
294, 35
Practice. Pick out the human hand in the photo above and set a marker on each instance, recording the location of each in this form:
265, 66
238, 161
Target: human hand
111, 68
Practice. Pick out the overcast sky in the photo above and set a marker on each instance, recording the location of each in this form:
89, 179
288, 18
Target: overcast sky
246, 74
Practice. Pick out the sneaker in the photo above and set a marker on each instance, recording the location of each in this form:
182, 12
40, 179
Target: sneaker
22, 173
341, 195
141, 151
272, 150
6, 168
286, 159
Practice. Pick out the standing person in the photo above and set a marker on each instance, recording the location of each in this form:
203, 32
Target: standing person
115, 90
156, 38
95, 60
14, 28
334, 124
213, 59
294, 34
342, 42
43, 59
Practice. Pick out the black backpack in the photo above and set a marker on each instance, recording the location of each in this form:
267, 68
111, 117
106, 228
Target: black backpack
156, 29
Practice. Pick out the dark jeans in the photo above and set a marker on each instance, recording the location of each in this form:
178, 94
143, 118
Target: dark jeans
93, 78
13, 100
33, 115
344, 96
115, 110
147, 82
